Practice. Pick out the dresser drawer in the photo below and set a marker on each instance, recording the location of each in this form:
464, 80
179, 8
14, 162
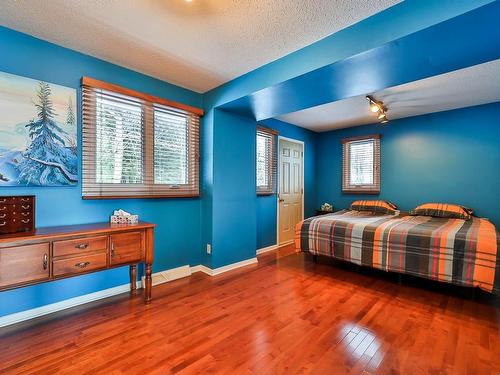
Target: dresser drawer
16, 205
80, 246
27, 199
7, 208
22, 215
76, 265
14, 213
9, 224
24, 207
8, 200
24, 264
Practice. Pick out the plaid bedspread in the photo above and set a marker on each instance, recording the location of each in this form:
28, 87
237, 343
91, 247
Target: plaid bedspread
450, 250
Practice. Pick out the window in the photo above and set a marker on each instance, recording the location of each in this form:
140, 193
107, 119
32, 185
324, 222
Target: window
361, 165
136, 145
266, 160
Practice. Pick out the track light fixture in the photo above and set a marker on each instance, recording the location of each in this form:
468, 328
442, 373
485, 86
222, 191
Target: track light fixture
378, 107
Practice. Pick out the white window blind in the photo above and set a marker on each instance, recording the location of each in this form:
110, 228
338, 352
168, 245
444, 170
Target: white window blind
136, 148
266, 161
361, 165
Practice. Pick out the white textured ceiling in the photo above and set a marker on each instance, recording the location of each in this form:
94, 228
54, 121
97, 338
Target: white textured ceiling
197, 45
479, 84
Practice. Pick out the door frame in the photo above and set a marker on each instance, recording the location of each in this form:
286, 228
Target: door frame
280, 138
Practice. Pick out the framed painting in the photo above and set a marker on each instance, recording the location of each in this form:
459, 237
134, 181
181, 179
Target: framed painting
38, 130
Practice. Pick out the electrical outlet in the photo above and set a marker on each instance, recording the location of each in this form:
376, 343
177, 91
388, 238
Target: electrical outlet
209, 248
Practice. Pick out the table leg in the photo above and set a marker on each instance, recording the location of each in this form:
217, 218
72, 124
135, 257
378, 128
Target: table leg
148, 282
133, 277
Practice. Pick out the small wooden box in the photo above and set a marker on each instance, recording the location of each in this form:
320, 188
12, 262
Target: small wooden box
17, 214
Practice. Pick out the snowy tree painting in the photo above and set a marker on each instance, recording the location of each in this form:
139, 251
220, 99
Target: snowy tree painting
37, 133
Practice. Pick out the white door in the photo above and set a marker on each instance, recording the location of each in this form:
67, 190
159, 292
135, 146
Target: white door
290, 187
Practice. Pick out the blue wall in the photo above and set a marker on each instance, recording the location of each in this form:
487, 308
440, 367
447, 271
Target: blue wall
267, 204
178, 235
234, 220
451, 156
234, 190
229, 215
403, 19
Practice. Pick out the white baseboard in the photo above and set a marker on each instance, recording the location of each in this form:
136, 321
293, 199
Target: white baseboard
266, 249
233, 266
62, 305
201, 268
170, 275
219, 270
158, 278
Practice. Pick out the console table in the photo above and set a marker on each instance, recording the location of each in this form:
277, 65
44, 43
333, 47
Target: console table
55, 253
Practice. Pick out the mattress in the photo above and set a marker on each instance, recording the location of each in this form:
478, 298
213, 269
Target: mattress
450, 250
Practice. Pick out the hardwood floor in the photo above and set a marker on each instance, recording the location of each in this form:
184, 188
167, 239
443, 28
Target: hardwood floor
286, 315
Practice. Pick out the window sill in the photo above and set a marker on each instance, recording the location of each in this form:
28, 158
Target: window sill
367, 192
141, 196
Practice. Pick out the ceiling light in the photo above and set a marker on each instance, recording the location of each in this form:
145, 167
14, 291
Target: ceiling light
378, 107
374, 105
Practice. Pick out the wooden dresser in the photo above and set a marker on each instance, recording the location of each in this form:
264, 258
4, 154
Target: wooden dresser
54, 253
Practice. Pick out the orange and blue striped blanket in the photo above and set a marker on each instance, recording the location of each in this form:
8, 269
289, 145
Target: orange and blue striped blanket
462, 252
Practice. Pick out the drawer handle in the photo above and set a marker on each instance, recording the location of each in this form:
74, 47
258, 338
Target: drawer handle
25, 221
25, 213
3, 216
3, 223
45, 261
112, 249
25, 199
25, 207
3, 200
3, 208
82, 246
82, 264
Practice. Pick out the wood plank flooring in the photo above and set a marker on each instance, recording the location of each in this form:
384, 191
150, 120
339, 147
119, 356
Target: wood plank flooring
286, 315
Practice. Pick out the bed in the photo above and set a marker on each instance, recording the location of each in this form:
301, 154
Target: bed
461, 252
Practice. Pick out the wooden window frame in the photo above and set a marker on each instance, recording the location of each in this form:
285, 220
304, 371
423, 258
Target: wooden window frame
93, 190
269, 189
347, 187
